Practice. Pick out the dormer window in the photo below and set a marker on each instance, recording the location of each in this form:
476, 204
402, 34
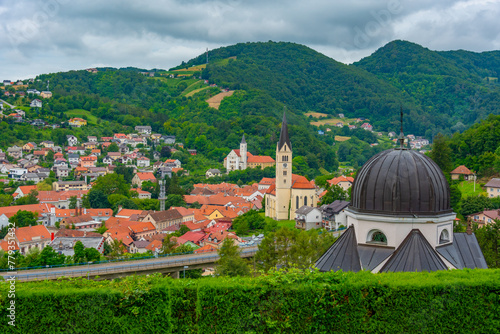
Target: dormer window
444, 237
376, 237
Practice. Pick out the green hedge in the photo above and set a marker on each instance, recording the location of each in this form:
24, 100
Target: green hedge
466, 301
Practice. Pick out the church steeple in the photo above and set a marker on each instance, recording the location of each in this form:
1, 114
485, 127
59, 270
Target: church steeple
284, 134
243, 154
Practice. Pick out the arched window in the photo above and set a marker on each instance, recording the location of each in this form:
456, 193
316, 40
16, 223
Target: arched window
376, 237
305, 200
444, 237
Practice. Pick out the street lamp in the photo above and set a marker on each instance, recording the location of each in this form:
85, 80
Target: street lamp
185, 267
47, 272
88, 268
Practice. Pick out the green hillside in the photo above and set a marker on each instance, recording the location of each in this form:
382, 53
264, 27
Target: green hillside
455, 88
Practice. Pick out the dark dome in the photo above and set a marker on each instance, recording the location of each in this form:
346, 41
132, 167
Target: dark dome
401, 181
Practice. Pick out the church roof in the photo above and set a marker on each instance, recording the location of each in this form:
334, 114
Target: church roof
414, 254
401, 182
284, 139
300, 182
243, 139
342, 255
464, 252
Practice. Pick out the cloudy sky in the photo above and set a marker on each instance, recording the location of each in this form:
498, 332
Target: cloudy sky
44, 36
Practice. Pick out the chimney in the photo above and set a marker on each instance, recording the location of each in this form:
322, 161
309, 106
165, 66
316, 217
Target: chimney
52, 236
76, 210
469, 226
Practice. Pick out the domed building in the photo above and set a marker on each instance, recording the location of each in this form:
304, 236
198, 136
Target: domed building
400, 219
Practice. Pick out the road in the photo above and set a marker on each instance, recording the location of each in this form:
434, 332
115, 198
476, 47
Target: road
7, 104
163, 264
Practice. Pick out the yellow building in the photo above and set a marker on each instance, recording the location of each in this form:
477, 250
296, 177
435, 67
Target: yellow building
78, 122
290, 192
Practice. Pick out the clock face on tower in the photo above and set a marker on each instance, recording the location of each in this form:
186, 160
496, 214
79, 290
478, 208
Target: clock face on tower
285, 165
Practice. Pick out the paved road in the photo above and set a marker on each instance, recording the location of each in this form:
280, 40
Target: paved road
7, 104
174, 262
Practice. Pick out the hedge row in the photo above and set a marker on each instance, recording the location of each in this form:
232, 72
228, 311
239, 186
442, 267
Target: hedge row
465, 301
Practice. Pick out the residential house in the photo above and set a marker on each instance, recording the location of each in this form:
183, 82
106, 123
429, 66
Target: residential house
70, 185
139, 178
22, 191
15, 151
72, 140
17, 173
170, 140
36, 103
462, 171
493, 187
89, 161
8, 211
334, 214
212, 172
28, 147
163, 219
143, 162
32, 237
143, 129
215, 239
73, 159
114, 155
141, 194
65, 245
77, 122
367, 126
174, 163
485, 217
46, 94
33, 177
108, 160
62, 171
47, 143
92, 139
344, 182
139, 246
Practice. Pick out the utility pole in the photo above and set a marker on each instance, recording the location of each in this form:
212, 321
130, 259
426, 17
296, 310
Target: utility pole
162, 196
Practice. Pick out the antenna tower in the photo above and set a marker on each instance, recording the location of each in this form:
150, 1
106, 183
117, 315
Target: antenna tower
162, 196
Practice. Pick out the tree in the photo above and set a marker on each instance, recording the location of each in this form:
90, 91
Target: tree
79, 252
97, 199
127, 172
92, 255
24, 218
441, 153
31, 198
5, 200
334, 192
72, 202
230, 262
113, 147
165, 152
50, 257
168, 245
181, 231
111, 184
473, 204
488, 238
117, 248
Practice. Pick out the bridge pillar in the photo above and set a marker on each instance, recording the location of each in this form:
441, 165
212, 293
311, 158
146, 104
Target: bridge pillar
175, 274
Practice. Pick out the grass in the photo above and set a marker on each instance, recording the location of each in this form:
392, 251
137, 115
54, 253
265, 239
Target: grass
341, 138
467, 189
191, 93
80, 113
290, 224
316, 114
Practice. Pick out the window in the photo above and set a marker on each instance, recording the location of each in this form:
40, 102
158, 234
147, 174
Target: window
284, 158
376, 237
284, 173
297, 202
305, 200
444, 237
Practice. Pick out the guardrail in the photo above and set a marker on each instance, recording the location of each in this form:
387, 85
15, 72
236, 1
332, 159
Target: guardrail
116, 268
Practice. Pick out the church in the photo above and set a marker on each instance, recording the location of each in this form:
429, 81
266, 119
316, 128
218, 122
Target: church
400, 219
242, 159
290, 191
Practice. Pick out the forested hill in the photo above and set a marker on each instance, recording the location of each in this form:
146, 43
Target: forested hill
457, 88
441, 91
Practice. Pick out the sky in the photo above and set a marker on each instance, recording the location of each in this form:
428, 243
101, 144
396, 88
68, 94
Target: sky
47, 36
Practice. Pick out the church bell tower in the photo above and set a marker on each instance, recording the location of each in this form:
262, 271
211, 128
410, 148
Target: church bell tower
283, 173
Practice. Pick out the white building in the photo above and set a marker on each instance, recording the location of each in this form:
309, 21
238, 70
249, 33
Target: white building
237, 159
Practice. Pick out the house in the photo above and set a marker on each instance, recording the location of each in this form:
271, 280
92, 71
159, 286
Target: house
92, 139
141, 194
108, 160
62, 171
174, 163
47, 144
139, 178
33, 177
367, 126
15, 151
73, 159
65, 245
139, 246
493, 187
345, 182
72, 140
261, 161
32, 237
22, 191
70, 185
114, 155
77, 122
212, 172
462, 171
163, 219
308, 217
88, 161
334, 214
143, 162
215, 239
17, 173
170, 140
485, 217
143, 129
46, 94
28, 147
36, 103
339, 124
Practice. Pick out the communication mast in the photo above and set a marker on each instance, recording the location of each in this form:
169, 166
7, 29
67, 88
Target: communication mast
162, 196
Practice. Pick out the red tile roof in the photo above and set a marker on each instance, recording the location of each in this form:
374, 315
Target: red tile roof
260, 159
146, 176
26, 234
337, 180
461, 170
